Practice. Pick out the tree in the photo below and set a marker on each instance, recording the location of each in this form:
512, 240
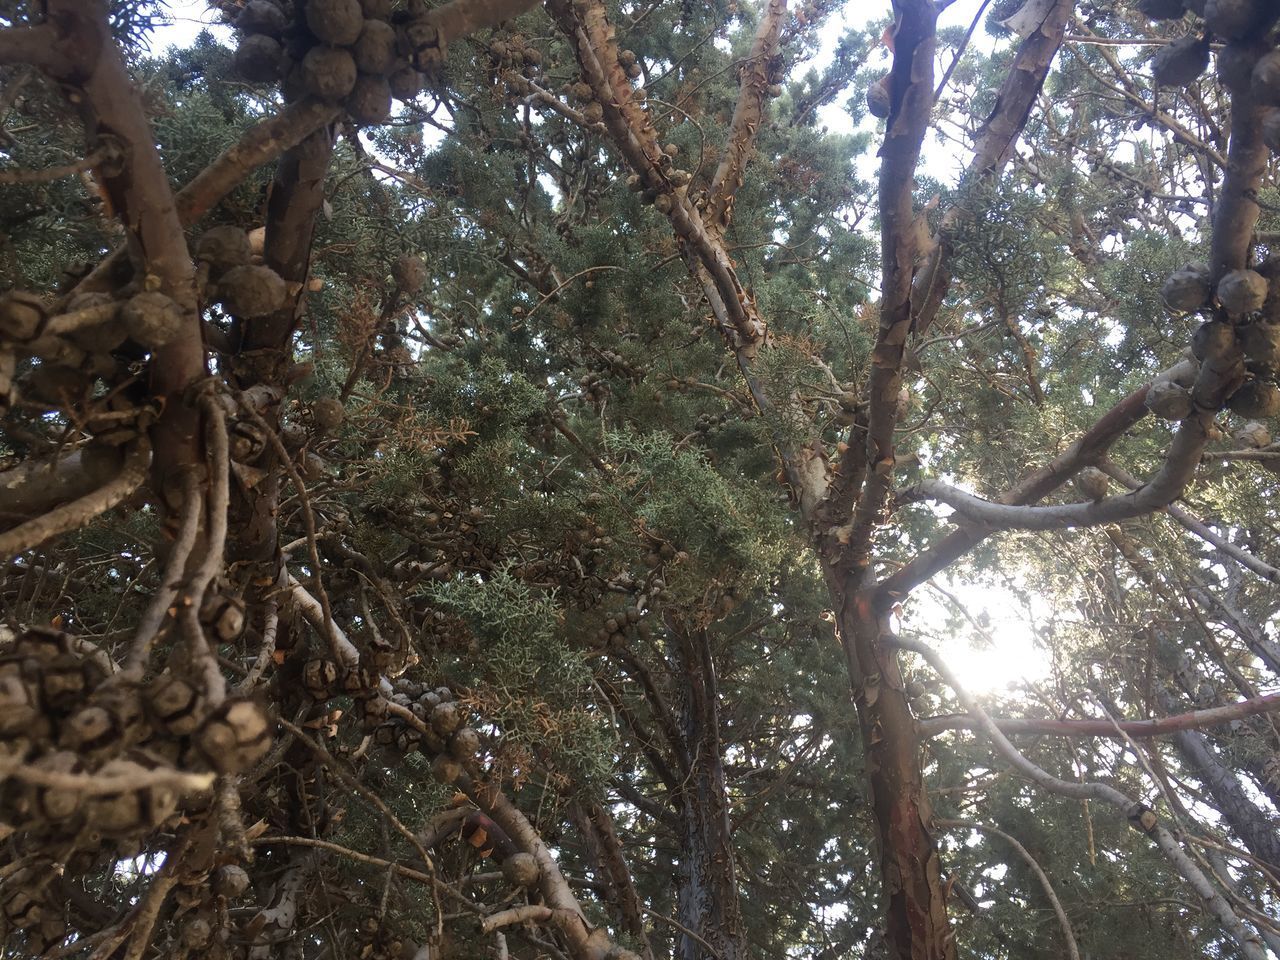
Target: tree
441, 442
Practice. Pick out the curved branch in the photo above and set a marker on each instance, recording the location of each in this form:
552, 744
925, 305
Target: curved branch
1034, 486
33, 45
1073, 951
1155, 727
748, 113
1141, 816
1200, 529
77, 513
36, 485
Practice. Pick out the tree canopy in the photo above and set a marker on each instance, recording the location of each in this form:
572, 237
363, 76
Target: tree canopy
508, 479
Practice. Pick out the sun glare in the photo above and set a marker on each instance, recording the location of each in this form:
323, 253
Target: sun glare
994, 649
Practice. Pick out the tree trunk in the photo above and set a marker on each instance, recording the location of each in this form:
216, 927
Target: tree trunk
708, 898
916, 926
1248, 823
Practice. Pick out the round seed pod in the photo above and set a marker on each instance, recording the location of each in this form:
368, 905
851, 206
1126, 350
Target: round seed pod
445, 769
22, 909
230, 881
408, 740
465, 744
1181, 62
1242, 291
57, 804
1236, 19
19, 712
1235, 66
593, 112
196, 933
1169, 401
223, 615
103, 336
66, 681
374, 710
1161, 9
174, 705
54, 383
443, 694
130, 811
409, 272
360, 682
521, 870
235, 736
328, 413
663, 203
405, 82
1266, 79
22, 315
445, 718
90, 731
1092, 483
328, 73
251, 291
375, 50
1261, 344
1187, 289
338, 22
294, 435
376, 9
1212, 338
152, 319
44, 644
262, 16
1252, 436
1271, 129
223, 247
1257, 398
259, 58
369, 100
320, 678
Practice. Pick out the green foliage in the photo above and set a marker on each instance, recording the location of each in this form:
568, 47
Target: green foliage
521, 667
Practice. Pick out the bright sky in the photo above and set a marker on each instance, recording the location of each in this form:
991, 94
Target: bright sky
1007, 655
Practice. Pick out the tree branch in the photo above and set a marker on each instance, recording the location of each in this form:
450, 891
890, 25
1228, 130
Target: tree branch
1073, 951
1200, 529
748, 113
35, 45
1155, 727
1139, 815
77, 513
992, 148
911, 96
138, 188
